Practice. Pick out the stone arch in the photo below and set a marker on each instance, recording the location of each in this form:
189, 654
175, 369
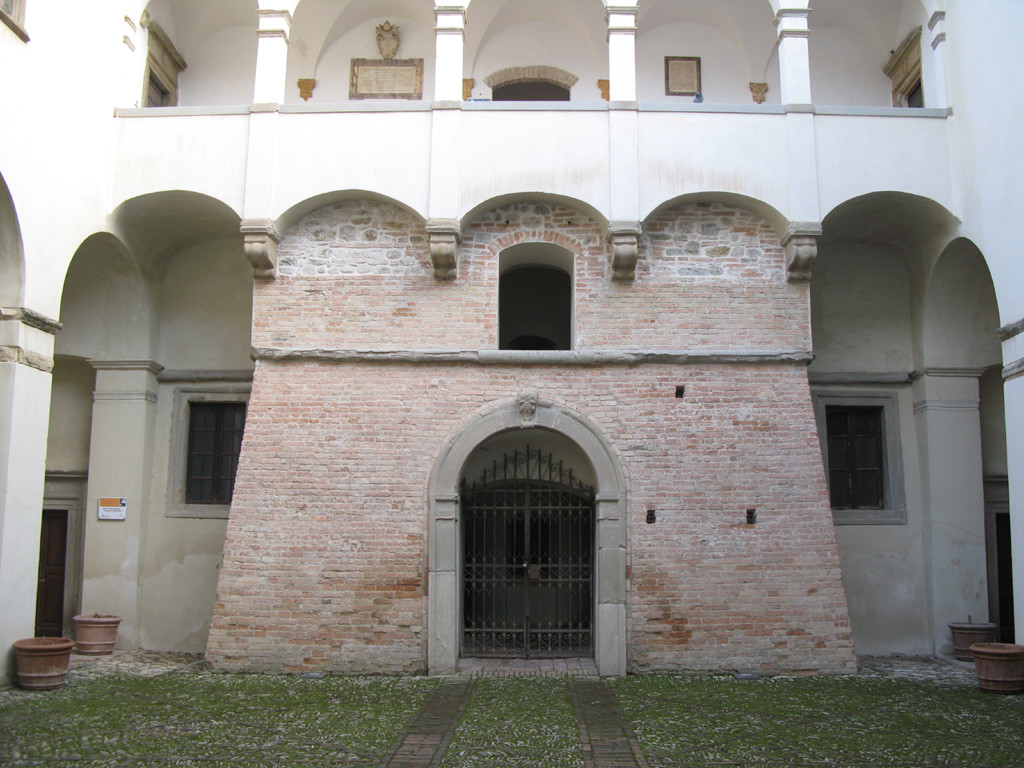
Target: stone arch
535, 73
582, 206
529, 411
12, 256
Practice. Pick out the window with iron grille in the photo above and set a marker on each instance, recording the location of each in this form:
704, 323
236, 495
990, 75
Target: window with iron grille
214, 441
854, 435
860, 447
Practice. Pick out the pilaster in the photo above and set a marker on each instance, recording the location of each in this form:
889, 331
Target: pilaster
933, 70
621, 52
1012, 337
26, 359
449, 38
120, 466
946, 411
794, 57
274, 26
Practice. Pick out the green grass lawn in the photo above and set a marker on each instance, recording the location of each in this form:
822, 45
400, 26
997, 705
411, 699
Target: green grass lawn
197, 718
821, 721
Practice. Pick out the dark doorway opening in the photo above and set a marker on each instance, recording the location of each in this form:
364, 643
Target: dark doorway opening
53, 546
527, 560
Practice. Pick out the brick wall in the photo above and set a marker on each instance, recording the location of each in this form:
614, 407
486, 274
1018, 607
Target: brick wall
325, 559
358, 276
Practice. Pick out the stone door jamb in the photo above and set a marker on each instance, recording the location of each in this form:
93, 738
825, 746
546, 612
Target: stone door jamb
443, 604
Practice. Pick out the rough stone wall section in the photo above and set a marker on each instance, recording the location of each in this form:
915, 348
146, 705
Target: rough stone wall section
710, 277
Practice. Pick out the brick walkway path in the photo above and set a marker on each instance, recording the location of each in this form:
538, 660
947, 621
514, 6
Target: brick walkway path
607, 740
423, 742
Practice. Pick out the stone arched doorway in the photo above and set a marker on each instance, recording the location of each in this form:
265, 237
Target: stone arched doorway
591, 506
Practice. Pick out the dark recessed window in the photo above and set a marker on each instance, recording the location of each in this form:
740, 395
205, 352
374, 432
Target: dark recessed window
530, 91
535, 308
214, 442
855, 456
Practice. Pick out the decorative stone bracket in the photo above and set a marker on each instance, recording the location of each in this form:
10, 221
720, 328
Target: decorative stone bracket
624, 237
261, 239
801, 244
445, 236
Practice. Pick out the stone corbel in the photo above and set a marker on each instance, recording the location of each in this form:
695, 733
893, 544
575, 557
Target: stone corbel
624, 237
801, 244
261, 239
445, 236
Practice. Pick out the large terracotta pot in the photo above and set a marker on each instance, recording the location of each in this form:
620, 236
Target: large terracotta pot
966, 634
999, 666
95, 635
42, 662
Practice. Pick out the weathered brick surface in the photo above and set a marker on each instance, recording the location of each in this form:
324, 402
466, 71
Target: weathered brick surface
325, 560
358, 276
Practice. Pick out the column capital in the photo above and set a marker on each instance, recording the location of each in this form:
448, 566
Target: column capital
624, 237
445, 236
260, 243
801, 244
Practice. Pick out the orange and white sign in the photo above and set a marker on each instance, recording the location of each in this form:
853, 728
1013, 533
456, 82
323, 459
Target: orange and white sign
112, 508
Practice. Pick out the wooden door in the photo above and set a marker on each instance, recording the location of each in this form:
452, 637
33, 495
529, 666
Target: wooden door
53, 545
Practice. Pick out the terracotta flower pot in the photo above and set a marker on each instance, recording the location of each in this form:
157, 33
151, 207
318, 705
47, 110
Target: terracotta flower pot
42, 662
966, 634
999, 666
96, 635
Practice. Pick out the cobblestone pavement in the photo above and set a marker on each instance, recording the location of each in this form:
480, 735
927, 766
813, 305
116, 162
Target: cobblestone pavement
549, 713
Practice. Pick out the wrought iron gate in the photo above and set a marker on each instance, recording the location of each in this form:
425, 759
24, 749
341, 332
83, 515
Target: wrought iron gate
527, 560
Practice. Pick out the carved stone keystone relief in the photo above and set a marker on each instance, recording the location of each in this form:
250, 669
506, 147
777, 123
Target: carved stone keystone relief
387, 40
526, 403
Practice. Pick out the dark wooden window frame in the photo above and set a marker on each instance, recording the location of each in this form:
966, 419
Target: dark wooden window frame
894, 508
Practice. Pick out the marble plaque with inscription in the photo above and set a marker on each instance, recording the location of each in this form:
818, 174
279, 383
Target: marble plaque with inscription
386, 79
682, 75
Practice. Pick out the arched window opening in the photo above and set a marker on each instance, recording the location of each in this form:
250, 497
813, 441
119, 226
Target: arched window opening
535, 298
533, 90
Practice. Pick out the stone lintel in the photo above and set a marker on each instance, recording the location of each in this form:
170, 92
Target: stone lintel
445, 236
801, 244
260, 243
624, 237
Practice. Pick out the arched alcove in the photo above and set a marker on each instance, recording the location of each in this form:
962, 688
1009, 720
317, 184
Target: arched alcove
531, 419
524, 35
